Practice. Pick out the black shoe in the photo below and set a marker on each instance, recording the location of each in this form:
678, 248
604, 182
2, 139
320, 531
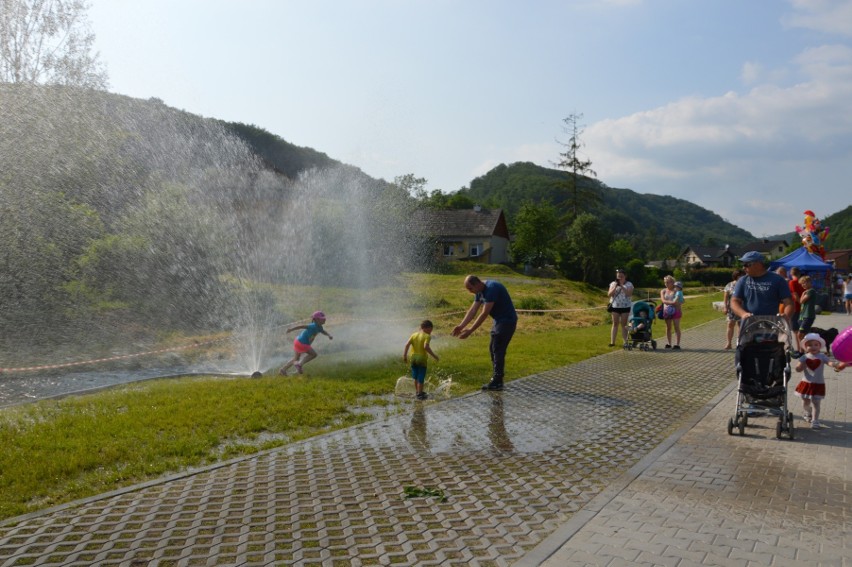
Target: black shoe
493, 386
676, 347
422, 396
668, 346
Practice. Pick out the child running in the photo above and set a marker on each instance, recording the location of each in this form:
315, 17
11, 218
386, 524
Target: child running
811, 387
418, 342
302, 343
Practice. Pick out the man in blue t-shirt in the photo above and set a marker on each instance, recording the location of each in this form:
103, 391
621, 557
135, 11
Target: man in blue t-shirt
760, 292
495, 301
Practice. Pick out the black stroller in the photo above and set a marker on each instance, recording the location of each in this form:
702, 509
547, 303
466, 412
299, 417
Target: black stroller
639, 328
763, 371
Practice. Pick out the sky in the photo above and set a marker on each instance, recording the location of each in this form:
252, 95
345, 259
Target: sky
743, 107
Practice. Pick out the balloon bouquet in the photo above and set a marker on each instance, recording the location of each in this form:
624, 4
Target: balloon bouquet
813, 234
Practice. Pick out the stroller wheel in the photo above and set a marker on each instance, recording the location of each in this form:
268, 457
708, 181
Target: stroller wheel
654, 345
778, 428
730, 426
742, 426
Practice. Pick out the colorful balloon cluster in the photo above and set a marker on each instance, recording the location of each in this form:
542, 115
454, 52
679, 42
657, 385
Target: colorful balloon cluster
813, 234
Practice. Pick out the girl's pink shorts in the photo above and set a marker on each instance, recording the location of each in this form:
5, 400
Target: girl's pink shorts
301, 347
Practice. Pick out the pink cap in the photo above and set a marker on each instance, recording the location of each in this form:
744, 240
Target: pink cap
318, 315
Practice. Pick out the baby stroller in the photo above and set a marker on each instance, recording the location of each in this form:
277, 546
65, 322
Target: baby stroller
763, 371
639, 328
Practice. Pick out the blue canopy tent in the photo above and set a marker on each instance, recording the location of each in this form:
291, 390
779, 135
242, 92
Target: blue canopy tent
809, 265
806, 262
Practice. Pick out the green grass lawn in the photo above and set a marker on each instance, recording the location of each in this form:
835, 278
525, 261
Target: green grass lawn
55, 451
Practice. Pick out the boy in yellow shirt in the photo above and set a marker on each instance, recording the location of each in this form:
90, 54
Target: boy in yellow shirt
418, 342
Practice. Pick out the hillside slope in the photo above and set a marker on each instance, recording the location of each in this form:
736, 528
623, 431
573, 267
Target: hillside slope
624, 211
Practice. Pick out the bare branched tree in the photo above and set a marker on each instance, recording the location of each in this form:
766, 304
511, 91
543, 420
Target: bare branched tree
580, 193
49, 42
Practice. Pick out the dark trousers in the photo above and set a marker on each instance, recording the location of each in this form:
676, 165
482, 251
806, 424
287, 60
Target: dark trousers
501, 334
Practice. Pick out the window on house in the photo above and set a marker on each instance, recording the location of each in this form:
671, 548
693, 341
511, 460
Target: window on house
476, 249
448, 250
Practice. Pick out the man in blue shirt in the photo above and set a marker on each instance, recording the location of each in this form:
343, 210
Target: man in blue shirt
495, 301
760, 292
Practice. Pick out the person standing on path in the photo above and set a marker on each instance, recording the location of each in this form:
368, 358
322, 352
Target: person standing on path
796, 291
671, 300
620, 293
847, 294
495, 301
808, 313
733, 320
760, 292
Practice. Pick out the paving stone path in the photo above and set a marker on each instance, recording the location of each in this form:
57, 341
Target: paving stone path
501, 476
715, 499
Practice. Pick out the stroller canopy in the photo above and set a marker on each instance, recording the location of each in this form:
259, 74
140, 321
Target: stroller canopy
642, 306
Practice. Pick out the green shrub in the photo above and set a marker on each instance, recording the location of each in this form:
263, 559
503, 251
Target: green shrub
532, 304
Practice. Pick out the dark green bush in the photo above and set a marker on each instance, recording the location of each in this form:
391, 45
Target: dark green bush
532, 304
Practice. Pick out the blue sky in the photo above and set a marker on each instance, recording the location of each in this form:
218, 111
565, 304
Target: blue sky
741, 106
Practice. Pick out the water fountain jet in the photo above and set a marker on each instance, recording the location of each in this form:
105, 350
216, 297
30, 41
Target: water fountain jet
129, 224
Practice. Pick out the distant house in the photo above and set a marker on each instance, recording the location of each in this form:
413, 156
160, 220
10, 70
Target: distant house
477, 234
771, 249
840, 259
707, 257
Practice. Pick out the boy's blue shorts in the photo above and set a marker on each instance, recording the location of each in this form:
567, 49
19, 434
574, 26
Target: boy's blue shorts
418, 373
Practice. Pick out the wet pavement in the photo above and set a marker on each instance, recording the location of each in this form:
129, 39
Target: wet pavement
622, 459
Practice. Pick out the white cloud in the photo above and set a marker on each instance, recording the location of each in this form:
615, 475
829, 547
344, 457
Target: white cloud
790, 144
751, 72
827, 16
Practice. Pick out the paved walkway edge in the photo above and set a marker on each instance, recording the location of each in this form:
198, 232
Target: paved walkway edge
561, 536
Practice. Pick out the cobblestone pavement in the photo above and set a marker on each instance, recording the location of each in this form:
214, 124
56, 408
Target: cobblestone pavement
715, 499
520, 472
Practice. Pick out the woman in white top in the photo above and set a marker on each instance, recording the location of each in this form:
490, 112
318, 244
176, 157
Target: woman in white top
847, 294
620, 294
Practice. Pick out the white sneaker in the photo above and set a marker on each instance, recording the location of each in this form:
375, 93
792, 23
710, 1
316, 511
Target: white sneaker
815, 424
806, 417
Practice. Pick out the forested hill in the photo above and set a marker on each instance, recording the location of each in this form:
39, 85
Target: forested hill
623, 211
277, 153
840, 229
